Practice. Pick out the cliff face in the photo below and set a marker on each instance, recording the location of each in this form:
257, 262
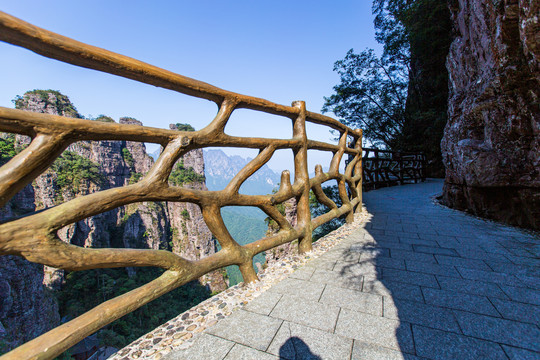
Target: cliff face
191, 238
26, 288
288, 249
27, 308
491, 144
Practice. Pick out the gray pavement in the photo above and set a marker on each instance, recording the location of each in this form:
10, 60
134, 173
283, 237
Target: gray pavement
418, 282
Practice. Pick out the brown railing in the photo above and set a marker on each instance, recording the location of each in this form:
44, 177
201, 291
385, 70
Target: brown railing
35, 238
388, 168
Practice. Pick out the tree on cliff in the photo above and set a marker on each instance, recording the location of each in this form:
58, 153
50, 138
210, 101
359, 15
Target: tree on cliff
371, 96
399, 98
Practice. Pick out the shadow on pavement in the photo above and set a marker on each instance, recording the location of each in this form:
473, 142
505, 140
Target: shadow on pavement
295, 349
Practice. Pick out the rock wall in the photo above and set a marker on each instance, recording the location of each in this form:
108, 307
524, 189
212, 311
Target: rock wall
190, 237
491, 144
27, 308
27, 304
288, 249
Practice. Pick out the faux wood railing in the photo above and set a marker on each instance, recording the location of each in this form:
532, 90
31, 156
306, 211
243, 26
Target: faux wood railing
387, 168
35, 238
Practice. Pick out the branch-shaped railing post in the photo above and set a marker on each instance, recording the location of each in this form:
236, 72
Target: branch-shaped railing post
301, 176
358, 171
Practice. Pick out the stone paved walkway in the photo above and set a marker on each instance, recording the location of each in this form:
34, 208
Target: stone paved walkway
418, 282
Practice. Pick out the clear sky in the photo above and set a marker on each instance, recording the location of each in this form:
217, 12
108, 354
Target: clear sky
280, 50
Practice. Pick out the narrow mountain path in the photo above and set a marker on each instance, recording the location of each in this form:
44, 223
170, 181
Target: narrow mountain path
418, 281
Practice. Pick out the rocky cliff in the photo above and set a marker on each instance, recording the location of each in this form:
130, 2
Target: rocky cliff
191, 238
289, 210
27, 307
491, 144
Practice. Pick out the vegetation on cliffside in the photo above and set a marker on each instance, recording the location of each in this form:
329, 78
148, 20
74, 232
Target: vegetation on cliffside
7, 148
72, 170
184, 127
50, 99
181, 175
85, 289
246, 225
92, 166
318, 209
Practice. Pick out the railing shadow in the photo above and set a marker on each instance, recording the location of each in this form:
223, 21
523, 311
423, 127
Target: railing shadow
384, 260
362, 269
367, 266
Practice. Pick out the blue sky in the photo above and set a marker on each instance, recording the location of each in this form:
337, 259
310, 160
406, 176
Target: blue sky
278, 50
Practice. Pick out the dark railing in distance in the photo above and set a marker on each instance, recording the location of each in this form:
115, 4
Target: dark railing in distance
35, 238
388, 168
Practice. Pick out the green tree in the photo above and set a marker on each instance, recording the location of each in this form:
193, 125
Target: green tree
429, 30
72, 169
7, 148
184, 127
128, 158
400, 98
371, 95
184, 175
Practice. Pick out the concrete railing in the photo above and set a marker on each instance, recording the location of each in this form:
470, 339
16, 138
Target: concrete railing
35, 238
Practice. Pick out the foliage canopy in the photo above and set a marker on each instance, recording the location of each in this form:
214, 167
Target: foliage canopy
400, 97
85, 289
371, 95
72, 169
184, 175
184, 127
7, 148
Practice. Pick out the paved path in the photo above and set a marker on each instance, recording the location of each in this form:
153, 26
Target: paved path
419, 282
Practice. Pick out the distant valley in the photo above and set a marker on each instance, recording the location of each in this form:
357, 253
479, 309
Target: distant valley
245, 224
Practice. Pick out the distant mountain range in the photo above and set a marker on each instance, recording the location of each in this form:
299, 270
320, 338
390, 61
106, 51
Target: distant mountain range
221, 168
245, 224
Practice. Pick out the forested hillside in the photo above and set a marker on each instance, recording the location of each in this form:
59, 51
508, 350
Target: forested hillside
245, 224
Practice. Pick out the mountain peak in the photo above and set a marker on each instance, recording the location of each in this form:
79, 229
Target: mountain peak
221, 168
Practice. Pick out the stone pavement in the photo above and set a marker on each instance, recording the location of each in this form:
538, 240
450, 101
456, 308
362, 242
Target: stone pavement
420, 281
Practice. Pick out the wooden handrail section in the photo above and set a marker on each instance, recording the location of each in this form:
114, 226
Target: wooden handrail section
387, 167
34, 237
